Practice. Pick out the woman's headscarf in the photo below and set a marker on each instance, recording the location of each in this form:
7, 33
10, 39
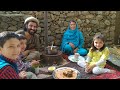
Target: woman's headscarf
74, 36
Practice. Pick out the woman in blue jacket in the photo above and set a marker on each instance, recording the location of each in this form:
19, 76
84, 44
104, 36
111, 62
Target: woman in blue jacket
73, 40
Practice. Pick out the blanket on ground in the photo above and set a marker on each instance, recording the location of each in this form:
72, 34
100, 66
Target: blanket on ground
115, 75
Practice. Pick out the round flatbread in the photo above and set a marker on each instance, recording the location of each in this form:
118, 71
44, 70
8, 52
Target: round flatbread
59, 73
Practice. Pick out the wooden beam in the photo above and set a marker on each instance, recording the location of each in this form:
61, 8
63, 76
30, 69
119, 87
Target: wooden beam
46, 27
117, 29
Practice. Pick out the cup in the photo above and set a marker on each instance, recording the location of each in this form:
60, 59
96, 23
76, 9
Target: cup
51, 69
76, 56
37, 70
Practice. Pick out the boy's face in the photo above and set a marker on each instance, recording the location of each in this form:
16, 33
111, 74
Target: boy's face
11, 49
23, 43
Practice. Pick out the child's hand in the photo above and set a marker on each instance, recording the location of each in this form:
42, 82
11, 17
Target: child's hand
89, 68
87, 64
22, 74
34, 63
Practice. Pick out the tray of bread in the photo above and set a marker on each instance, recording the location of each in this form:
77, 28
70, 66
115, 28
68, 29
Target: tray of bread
66, 73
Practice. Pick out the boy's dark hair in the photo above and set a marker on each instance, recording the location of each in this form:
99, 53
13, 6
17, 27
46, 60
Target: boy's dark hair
22, 37
98, 36
6, 35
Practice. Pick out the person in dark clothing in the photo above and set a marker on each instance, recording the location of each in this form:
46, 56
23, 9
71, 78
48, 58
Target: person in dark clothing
33, 42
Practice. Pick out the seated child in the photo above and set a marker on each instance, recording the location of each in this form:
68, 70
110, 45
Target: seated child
97, 56
9, 52
27, 66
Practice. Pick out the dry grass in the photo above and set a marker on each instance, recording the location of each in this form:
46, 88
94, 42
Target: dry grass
115, 51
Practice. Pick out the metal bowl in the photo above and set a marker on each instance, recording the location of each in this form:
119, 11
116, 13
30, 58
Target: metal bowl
51, 50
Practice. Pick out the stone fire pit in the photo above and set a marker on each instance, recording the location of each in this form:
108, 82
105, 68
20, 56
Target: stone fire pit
52, 59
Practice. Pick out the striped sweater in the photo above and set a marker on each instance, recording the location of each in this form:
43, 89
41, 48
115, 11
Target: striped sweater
8, 68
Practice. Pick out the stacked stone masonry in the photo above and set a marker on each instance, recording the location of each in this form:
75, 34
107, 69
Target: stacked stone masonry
89, 22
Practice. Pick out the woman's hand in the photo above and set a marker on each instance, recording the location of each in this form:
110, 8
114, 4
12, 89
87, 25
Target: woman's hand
72, 45
75, 50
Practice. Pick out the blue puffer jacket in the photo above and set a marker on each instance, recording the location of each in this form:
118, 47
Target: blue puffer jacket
4, 62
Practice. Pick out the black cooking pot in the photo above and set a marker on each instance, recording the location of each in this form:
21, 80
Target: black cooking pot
51, 50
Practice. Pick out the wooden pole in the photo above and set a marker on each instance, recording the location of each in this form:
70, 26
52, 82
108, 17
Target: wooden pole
117, 29
46, 27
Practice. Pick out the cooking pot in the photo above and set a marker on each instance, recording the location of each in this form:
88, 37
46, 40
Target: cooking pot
51, 50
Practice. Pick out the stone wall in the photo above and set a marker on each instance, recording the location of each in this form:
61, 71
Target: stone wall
89, 22
13, 21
